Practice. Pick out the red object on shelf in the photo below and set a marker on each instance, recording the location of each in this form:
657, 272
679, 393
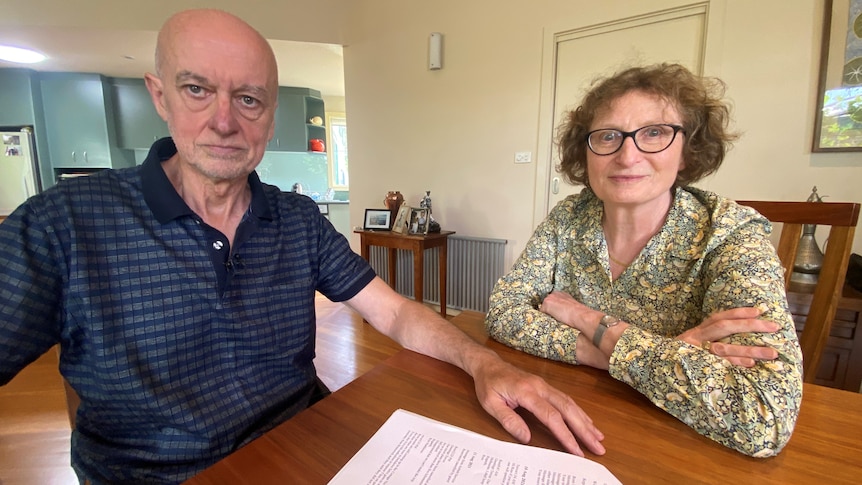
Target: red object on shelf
316, 145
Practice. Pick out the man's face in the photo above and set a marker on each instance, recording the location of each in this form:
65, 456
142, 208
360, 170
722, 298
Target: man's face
218, 94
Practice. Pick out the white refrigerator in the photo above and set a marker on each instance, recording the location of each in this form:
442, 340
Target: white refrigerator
19, 170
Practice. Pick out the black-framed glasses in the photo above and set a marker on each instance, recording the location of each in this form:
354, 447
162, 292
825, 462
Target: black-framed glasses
648, 139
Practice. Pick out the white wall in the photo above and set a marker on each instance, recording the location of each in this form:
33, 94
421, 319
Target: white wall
455, 131
297, 20
334, 103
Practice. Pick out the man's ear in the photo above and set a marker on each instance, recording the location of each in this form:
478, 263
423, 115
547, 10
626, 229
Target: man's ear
157, 93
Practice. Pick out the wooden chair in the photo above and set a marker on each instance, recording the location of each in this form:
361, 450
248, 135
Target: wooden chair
842, 217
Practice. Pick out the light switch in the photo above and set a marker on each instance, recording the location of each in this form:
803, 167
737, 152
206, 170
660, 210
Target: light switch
523, 157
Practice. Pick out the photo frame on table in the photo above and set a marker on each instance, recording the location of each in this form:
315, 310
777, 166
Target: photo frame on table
419, 221
838, 119
402, 219
377, 220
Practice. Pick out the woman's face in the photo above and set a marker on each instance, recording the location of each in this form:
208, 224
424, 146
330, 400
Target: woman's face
630, 177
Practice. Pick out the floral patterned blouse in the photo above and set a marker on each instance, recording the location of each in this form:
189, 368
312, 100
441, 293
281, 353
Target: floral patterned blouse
711, 255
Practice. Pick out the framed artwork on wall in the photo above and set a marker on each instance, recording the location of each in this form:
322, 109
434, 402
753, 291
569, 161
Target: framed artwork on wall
838, 119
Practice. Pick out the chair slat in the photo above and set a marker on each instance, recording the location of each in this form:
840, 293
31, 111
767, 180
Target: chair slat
787, 247
821, 213
843, 218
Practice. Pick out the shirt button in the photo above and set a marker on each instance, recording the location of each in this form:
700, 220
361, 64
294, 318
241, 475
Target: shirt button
218, 245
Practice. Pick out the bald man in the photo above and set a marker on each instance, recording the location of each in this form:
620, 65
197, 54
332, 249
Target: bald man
182, 291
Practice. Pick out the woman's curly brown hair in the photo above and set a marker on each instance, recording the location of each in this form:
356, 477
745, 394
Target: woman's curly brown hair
699, 100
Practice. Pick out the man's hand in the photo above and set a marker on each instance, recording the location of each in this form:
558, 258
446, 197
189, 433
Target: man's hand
502, 388
729, 322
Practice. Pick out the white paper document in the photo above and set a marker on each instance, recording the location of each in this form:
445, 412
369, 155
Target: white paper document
413, 449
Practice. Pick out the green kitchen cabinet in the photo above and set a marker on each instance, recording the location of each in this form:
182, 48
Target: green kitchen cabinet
79, 122
138, 122
16, 97
293, 129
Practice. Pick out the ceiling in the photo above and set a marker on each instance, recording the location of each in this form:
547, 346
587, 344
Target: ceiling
129, 53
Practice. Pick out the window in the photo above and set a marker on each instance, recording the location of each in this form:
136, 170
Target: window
337, 154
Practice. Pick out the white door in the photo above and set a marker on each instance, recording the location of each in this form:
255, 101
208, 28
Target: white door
579, 56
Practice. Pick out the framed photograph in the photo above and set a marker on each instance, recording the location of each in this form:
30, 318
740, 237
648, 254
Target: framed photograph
838, 119
377, 219
418, 221
402, 219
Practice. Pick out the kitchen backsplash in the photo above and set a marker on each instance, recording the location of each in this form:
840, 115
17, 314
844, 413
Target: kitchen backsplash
283, 169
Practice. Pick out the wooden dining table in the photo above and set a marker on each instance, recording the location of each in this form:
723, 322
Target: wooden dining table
644, 444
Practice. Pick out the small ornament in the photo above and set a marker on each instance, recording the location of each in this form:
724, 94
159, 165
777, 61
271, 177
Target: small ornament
809, 257
393, 201
425, 203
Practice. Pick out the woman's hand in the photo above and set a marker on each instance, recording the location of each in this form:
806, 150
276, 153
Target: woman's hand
564, 308
730, 322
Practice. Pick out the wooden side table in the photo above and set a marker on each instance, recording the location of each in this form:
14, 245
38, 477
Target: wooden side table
841, 363
417, 243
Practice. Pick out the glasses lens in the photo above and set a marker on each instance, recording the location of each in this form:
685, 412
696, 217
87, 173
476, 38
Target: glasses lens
605, 142
654, 138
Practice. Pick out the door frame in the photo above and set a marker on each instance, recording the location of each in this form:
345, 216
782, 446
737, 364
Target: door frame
711, 63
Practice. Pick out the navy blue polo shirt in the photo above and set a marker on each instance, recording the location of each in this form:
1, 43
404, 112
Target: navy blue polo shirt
181, 347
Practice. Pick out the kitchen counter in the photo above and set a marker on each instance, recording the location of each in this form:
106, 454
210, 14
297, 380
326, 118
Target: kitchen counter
338, 212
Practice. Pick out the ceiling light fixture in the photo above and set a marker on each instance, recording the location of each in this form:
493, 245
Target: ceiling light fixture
19, 55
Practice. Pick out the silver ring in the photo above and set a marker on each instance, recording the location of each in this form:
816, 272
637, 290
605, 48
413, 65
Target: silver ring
707, 346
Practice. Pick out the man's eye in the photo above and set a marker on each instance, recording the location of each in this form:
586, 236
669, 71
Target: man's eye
248, 101
194, 89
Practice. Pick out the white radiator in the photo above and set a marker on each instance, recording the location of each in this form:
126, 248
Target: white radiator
473, 266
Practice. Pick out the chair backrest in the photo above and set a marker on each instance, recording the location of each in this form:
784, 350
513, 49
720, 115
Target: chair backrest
842, 217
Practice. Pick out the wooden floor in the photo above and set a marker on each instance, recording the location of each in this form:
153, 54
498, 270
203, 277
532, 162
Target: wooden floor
34, 425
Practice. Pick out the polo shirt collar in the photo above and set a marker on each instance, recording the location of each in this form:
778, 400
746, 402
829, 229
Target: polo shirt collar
164, 201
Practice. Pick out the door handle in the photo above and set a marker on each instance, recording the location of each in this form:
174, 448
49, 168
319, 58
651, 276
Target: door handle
555, 185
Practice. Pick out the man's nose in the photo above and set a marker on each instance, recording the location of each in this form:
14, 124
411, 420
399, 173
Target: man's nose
224, 117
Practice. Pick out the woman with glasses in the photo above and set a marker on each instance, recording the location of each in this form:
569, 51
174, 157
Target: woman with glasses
674, 290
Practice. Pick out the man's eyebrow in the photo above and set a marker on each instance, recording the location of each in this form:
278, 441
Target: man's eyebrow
190, 76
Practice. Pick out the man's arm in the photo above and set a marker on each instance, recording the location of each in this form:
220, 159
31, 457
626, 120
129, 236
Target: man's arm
500, 387
30, 288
